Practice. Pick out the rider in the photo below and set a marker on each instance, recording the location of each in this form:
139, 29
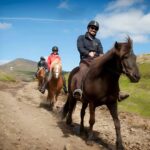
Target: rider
89, 48
52, 57
42, 63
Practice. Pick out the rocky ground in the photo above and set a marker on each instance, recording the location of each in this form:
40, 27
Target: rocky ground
27, 124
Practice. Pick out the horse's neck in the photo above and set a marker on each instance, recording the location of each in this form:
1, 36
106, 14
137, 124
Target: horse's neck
105, 58
99, 63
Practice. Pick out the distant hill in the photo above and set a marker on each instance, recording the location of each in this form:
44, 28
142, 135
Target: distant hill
21, 69
19, 64
145, 58
24, 69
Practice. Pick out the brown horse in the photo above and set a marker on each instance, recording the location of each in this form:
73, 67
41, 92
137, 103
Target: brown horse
41, 76
55, 84
101, 86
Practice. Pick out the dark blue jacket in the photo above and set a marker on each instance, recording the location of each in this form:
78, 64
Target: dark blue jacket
43, 63
85, 44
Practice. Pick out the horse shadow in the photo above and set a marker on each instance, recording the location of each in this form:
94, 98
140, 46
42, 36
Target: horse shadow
45, 105
74, 129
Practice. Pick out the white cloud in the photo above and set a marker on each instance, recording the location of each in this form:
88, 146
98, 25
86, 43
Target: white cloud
63, 5
119, 4
5, 26
38, 19
133, 22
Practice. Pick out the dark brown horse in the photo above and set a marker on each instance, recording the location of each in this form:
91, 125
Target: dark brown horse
101, 85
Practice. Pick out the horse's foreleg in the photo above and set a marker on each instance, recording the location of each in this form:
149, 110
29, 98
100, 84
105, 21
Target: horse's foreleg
114, 113
82, 114
91, 122
72, 104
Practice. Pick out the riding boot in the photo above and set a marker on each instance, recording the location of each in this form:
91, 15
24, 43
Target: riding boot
122, 96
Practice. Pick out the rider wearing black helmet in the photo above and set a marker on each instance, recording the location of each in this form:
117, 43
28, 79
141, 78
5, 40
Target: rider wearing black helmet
41, 63
55, 49
88, 45
89, 48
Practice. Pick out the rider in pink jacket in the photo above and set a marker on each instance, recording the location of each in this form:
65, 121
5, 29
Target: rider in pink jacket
51, 58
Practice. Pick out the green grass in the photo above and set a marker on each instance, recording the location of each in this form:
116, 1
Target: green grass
6, 77
139, 100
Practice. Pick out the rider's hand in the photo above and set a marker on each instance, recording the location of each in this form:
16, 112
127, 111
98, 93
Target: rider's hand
92, 54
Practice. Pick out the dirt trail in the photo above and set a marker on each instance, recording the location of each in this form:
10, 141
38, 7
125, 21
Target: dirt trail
27, 124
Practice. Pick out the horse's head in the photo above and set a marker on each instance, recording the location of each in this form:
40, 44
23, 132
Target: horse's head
56, 70
128, 60
41, 72
41, 75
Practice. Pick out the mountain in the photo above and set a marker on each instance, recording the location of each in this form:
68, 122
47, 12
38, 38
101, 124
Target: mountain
19, 64
20, 69
24, 69
145, 58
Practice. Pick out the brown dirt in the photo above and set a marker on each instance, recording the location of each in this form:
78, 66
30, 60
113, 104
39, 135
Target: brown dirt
27, 124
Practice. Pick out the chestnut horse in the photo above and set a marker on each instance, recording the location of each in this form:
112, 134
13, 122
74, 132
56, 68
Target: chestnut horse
101, 85
55, 84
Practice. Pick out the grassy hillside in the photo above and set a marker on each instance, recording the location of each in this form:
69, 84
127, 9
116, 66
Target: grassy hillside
20, 69
5, 77
139, 100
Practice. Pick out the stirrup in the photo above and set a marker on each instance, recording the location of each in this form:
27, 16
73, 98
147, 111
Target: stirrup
77, 93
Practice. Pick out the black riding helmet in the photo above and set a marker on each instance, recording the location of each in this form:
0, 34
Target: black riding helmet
42, 58
55, 49
93, 23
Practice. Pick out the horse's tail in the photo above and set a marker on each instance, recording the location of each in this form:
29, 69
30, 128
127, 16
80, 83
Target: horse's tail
69, 98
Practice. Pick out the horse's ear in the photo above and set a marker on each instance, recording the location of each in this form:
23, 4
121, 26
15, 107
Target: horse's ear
116, 45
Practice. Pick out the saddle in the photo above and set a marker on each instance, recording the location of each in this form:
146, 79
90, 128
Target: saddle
87, 61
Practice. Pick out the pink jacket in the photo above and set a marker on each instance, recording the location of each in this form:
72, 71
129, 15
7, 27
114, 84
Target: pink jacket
52, 57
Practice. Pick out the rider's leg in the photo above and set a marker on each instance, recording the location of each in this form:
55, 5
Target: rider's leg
47, 79
77, 93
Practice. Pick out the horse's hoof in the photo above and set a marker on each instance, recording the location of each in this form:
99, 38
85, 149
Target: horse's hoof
89, 142
68, 121
120, 147
81, 129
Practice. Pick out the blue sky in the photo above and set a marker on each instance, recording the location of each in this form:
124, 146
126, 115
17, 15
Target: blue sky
30, 28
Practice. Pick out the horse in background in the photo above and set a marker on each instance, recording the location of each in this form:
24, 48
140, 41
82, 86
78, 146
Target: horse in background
56, 83
101, 86
40, 75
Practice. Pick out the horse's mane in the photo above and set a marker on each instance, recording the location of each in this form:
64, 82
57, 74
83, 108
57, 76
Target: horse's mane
56, 61
98, 63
